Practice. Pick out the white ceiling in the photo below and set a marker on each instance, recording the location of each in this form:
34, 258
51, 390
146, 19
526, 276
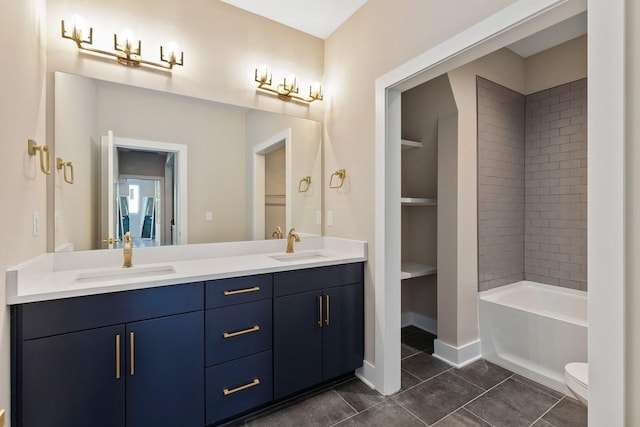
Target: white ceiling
319, 18
552, 36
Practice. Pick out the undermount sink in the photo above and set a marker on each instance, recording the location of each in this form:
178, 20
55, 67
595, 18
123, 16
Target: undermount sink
124, 273
306, 256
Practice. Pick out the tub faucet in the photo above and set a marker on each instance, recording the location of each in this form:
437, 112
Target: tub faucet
127, 250
293, 237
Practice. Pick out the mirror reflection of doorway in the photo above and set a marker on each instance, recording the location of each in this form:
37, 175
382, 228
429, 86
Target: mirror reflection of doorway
139, 210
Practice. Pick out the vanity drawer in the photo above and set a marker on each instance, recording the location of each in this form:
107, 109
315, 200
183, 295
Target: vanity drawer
238, 386
237, 331
237, 290
311, 279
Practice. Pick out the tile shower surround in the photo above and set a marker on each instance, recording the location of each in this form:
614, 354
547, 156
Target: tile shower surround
532, 185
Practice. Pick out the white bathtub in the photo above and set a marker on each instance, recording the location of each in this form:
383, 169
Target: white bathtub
534, 330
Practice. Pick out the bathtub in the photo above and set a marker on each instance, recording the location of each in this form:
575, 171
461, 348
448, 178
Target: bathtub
534, 330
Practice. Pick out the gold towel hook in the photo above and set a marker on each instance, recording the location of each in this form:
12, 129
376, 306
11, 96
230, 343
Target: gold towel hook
341, 174
304, 184
33, 147
61, 164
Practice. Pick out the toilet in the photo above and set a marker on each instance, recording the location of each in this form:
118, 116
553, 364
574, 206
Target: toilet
576, 377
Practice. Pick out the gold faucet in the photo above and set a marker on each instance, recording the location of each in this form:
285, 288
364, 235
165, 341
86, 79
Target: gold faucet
277, 234
128, 250
293, 237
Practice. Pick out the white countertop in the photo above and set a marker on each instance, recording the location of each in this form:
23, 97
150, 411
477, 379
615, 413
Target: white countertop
70, 274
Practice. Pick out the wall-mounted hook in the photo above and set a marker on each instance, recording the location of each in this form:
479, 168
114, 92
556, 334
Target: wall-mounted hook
304, 184
341, 175
61, 164
33, 148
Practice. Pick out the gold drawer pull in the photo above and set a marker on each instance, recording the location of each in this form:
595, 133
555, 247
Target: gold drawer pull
326, 320
320, 311
132, 343
117, 356
245, 331
242, 291
254, 383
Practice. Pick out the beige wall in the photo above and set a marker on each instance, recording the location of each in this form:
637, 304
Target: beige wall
378, 38
561, 64
632, 194
23, 190
78, 144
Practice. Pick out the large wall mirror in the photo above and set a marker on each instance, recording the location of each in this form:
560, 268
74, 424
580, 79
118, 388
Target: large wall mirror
172, 169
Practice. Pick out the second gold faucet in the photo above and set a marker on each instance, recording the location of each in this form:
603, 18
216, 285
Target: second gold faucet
292, 237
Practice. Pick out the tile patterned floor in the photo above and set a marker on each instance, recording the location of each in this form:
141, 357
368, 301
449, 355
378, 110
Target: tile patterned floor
433, 393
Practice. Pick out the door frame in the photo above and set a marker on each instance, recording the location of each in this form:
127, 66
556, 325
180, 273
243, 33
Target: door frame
282, 138
606, 72
180, 171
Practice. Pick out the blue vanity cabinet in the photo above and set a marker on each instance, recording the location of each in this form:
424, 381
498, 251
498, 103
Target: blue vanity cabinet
72, 380
318, 328
133, 358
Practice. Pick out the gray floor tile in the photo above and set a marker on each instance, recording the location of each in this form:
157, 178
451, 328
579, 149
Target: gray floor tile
483, 374
407, 380
541, 423
359, 395
511, 404
407, 350
438, 397
424, 366
538, 386
387, 414
461, 418
567, 413
323, 410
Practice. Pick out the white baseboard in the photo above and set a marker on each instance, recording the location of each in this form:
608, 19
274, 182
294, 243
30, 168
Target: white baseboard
421, 321
457, 356
367, 374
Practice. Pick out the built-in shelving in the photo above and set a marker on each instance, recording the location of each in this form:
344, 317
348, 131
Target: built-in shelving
407, 144
415, 269
418, 201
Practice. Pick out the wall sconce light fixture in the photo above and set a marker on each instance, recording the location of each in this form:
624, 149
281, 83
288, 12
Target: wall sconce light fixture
288, 89
127, 51
45, 157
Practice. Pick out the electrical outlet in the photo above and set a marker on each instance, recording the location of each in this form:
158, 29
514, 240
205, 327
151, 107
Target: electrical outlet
329, 217
36, 223
208, 216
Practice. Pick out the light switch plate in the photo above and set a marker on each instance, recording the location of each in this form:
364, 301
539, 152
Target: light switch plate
208, 216
318, 218
329, 217
36, 223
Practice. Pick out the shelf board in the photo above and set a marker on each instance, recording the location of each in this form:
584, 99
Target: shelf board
407, 144
415, 269
418, 201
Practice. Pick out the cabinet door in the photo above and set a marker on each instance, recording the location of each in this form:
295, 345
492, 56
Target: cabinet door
71, 379
297, 343
343, 330
165, 371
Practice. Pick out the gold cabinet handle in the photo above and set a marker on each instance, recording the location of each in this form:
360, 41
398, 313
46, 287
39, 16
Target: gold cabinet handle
320, 310
327, 310
117, 356
244, 331
242, 291
132, 341
253, 383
